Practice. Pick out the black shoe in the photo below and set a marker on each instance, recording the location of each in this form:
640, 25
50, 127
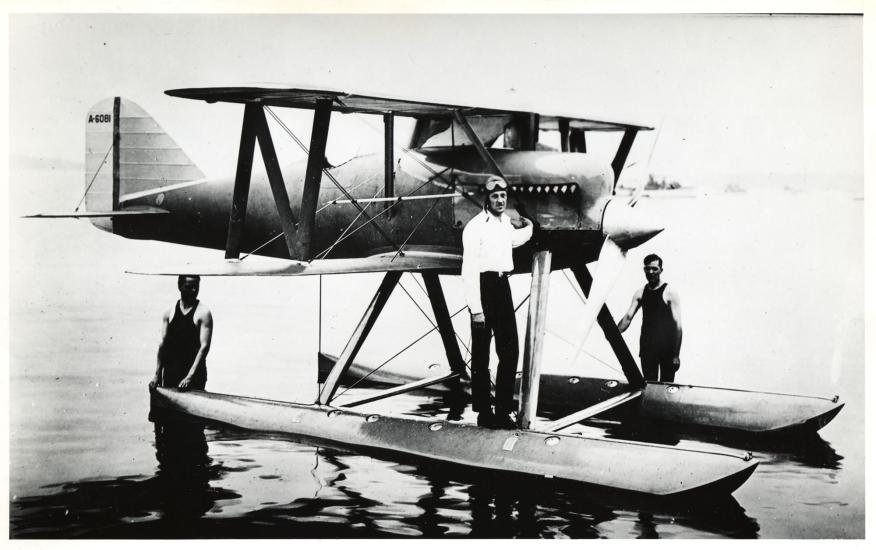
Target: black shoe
504, 422
486, 419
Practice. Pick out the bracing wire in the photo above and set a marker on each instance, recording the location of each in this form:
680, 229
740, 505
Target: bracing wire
418, 339
406, 151
278, 235
331, 177
370, 220
94, 177
340, 238
324, 253
417, 304
414, 230
266, 243
406, 348
348, 235
461, 341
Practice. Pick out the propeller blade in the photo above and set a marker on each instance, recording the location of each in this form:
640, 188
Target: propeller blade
624, 229
609, 266
637, 194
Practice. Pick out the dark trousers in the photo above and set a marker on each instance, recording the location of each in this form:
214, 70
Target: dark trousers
658, 366
500, 321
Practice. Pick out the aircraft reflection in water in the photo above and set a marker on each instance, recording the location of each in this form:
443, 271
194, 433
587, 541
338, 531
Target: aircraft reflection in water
183, 501
167, 505
526, 508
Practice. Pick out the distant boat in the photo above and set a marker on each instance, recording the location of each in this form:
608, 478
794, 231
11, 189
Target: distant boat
679, 193
676, 193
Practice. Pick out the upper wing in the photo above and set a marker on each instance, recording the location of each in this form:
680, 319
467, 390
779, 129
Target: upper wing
343, 102
261, 266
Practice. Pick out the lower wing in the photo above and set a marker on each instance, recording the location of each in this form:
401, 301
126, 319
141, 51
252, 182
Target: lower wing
415, 260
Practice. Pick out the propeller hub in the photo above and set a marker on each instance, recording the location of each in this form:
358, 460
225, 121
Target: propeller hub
627, 226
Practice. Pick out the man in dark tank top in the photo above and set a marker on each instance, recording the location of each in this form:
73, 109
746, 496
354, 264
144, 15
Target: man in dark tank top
660, 341
186, 332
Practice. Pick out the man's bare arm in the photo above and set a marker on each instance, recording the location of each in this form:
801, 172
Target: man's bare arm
206, 337
165, 321
624, 323
675, 309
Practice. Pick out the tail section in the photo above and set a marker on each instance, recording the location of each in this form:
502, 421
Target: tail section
128, 155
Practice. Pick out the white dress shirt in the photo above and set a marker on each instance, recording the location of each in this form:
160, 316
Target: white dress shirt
487, 241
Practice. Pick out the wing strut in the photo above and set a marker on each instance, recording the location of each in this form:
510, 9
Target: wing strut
527, 127
388, 158
445, 325
275, 177
563, 125
577, 141
617, 165
240, 196
315, 164
372, 312
534, 342
612, 334
255, 127
479, 145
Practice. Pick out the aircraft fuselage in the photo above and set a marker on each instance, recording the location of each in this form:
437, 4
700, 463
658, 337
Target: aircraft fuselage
563, 193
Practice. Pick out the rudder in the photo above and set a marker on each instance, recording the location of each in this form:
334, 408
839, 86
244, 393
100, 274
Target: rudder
127, 152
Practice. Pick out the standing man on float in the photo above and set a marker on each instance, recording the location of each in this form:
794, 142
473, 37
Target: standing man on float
487, 241
660, 341
186, 334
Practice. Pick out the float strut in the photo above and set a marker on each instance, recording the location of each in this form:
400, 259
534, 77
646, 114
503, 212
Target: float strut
535, 329
372, 312
445, 325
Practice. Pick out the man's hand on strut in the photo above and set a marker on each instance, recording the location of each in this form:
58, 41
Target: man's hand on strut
153, 383
185, 383
478, 320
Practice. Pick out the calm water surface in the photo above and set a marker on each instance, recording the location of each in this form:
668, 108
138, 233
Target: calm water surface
770, 282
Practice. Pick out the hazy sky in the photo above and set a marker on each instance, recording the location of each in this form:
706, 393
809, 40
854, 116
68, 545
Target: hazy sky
731, 95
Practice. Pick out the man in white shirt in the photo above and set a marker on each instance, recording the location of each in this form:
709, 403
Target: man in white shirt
487, 241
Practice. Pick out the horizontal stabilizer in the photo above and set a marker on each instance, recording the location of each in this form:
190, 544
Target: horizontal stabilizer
106, 214
261, 266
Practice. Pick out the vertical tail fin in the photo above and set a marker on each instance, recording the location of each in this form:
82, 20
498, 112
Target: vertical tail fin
127, 152
101, 145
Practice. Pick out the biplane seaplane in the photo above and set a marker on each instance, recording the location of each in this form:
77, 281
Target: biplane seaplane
313, 219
